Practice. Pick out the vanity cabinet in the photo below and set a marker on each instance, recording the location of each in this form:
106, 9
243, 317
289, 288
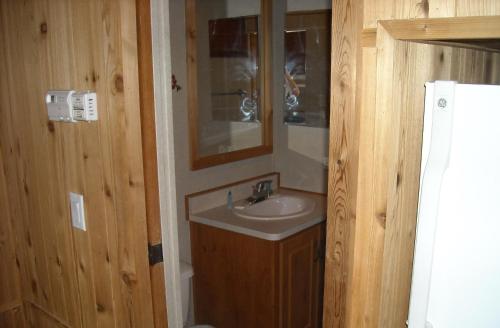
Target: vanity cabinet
244, 281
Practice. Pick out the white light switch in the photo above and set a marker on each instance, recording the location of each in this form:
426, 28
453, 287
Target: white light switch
77, 211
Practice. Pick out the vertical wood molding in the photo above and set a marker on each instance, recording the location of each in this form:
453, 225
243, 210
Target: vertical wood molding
192, 75
366, 228
266, 72
402, 194
343, 160
148, 129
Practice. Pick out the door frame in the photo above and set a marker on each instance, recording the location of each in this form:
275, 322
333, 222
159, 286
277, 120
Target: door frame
160, 22
153, 28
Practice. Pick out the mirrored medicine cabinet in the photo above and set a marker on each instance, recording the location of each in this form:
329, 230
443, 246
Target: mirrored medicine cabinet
229, 52
228, 59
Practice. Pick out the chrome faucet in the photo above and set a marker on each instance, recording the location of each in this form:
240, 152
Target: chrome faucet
261, 191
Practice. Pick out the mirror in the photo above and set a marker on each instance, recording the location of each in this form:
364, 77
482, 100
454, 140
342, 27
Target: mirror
228, 80
307, 39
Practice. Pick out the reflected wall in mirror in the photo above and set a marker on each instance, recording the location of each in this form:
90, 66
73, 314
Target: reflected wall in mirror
307, 63
228, 80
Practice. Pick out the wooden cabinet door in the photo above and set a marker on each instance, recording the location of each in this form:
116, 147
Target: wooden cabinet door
301, 278
234, 280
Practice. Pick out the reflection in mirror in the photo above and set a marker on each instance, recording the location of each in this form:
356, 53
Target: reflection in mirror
307, 64
226, 84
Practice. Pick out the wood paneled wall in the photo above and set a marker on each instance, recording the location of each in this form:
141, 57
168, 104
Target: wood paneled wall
375, 140
68, 277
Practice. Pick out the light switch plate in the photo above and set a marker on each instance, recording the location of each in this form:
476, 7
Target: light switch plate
77, 211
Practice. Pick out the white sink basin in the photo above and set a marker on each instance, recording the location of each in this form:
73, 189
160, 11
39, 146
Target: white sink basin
277, 207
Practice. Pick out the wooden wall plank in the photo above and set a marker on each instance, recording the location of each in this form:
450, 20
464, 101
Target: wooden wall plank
56, 74
477, 7
53, 203
10, 286
93, 248
10, 154
364, 257
11, 314
407, 9
79, 158
364, 228
343, 159
36, 123
25, 167
441, 8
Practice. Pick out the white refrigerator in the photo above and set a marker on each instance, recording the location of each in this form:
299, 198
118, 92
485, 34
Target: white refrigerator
456, 269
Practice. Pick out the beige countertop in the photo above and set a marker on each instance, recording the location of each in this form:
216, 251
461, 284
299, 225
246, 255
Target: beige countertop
224, 218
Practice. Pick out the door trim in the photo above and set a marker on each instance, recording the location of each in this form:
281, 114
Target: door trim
163, 118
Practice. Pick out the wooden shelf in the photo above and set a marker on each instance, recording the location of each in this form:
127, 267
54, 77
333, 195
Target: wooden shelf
466, 32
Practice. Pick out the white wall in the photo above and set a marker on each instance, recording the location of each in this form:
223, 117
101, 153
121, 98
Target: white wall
302, 5
307, 149
237, 8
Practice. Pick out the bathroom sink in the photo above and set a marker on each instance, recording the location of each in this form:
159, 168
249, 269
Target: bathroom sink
276, 207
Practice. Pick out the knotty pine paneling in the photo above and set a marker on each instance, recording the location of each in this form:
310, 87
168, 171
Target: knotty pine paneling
97, 278
375, 140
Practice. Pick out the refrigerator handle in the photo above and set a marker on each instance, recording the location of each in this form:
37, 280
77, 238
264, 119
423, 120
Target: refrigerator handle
435, 167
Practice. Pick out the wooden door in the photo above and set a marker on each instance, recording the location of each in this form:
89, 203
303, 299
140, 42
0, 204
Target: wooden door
52, 274
301, 279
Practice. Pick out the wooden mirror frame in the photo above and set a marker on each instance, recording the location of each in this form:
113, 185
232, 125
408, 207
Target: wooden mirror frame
266, 147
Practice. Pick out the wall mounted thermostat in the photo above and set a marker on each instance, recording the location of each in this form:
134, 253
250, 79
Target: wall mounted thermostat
71, 105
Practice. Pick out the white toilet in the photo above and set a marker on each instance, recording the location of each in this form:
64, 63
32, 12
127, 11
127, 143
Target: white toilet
186, 295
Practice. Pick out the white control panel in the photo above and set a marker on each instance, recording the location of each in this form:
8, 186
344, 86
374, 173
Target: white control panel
71, 105
77, 211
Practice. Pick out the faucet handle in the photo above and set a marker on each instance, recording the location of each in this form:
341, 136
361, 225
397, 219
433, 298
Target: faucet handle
264, 185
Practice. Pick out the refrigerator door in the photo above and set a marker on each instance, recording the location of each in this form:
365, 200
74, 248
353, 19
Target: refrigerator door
456, 273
